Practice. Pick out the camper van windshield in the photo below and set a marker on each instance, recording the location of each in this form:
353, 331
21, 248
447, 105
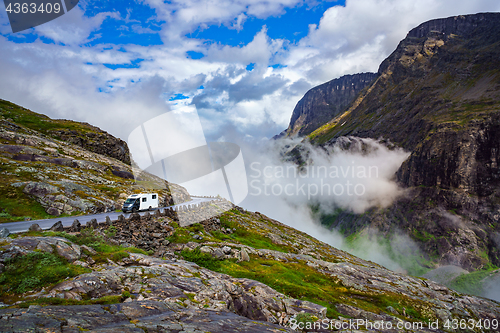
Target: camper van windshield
129, 201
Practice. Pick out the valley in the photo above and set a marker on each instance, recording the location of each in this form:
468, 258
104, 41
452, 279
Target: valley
432, 110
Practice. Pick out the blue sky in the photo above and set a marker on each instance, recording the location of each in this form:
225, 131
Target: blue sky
243, 64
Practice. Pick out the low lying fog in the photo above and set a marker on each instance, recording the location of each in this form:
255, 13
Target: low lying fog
354, 174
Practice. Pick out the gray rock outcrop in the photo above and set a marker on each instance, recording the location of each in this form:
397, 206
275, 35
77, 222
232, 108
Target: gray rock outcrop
132, 317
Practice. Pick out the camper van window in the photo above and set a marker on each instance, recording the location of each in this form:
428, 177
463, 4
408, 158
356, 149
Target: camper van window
144, 199
128, 201
154, 196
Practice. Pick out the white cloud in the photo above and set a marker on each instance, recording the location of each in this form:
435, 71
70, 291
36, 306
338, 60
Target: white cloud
357, 37
59, 81
73, 28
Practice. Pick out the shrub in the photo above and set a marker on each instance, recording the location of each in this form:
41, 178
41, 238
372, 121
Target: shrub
110, 232
304, 318
202, 259
35, 270
89, 236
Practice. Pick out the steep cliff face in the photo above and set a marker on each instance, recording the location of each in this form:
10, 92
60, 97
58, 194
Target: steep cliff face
460, 159
96, 141
434, 77
438, 96
322, 103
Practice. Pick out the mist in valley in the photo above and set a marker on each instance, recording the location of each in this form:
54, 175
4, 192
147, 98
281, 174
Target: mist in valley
351, 175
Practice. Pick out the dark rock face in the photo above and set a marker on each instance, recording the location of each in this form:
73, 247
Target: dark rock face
322, 103
434, 77
97, 141
123, 174
438, 96
465, 160
466, 27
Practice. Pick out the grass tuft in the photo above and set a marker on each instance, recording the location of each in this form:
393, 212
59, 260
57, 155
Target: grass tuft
36, 270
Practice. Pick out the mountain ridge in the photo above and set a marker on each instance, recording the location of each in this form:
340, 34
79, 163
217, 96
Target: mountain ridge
324, 102
81, 134
438, 96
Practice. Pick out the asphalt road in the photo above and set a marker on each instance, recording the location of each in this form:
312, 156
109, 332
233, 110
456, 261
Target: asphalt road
22, 226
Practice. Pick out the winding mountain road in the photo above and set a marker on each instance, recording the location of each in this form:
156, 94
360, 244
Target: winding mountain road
21, 226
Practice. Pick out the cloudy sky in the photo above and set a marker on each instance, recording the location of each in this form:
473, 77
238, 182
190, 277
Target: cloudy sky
243, 64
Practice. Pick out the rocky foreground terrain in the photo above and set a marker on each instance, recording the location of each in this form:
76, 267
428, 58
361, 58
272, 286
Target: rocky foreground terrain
237, 272
59, 167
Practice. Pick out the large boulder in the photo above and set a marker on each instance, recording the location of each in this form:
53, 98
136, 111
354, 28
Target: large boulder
39, 189
58, 226
92, 224
4, 232
35, 227
75, 226
134, 217
53, 211
62, 246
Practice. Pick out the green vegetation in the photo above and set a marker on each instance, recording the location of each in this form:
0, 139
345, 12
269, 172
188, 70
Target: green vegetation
423, 235
35, 270
39, 122
251, 237
471, 283
361, 243
202, 259
328, 220
298, 280
91, 238
302, 318
402, 254
16, 205
240, 234
110, 232
184, 235
293, 279
39, 269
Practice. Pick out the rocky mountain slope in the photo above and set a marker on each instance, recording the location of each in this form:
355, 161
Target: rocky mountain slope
84, 135
238, 272
438, 96
54, 167
322, 103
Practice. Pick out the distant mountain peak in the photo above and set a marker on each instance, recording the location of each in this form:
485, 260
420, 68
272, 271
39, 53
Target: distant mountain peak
438, 96
324, 102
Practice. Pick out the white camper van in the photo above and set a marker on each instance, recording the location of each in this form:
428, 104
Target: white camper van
142, 201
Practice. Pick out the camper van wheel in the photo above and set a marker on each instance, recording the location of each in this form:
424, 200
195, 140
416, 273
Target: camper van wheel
134, 210
150, 208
